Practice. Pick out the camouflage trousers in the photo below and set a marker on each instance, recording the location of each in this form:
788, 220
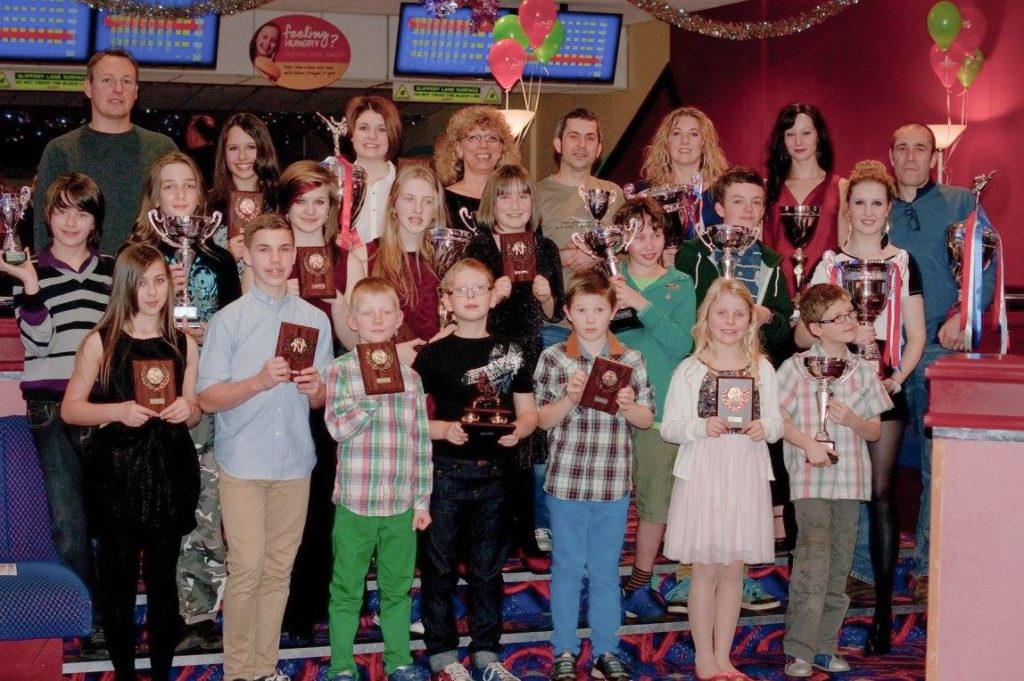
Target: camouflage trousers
202, 571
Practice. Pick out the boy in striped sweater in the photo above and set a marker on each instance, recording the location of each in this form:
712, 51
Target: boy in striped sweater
58, 300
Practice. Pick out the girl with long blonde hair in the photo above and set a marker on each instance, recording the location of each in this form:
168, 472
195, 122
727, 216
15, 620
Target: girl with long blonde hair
404, 257
719, 517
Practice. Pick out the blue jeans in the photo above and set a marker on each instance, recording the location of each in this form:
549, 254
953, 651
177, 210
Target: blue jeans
470, 520
586, 539
58, 447
917, 401
862, 568
541, 517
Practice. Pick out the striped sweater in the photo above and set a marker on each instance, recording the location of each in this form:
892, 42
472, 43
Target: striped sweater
54, 321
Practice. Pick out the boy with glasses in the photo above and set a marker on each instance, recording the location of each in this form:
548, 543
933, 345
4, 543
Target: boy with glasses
474, 467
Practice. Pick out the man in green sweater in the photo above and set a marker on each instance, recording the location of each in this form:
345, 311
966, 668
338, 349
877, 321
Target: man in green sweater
109, 148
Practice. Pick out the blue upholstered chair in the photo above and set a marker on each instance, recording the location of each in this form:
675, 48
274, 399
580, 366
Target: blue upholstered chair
45, 599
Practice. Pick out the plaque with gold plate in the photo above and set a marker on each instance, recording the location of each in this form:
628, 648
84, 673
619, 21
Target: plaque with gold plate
297, 344
607, 378
735, 400
485, 417
519, 256
243, 208
378, 363
316, 272
154, 383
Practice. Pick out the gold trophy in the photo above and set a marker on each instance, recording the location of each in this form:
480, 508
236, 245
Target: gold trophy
827, 371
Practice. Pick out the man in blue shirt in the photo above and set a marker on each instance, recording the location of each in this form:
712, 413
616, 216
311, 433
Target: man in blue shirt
920, 217
262, 444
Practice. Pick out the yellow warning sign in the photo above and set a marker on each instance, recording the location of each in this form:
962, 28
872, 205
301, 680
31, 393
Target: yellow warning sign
445, 93
67, 82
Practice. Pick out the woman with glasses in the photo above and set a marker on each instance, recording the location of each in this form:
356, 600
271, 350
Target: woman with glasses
800, 159
476, 141
868, 198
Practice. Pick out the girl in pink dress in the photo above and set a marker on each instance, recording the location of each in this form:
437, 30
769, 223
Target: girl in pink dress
719, 517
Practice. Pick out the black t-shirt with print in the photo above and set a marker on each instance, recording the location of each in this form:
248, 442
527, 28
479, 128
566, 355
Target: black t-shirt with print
450, 368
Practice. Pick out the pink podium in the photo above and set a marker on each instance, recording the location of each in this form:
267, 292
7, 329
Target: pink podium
976, 412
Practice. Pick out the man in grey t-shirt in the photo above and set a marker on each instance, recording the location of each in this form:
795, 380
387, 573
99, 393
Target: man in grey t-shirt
109, 149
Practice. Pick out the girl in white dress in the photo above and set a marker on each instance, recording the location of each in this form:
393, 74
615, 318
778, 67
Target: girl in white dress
719, 517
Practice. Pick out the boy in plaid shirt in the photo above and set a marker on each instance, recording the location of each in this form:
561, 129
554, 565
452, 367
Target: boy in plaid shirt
382, 488
589, 475
826, 495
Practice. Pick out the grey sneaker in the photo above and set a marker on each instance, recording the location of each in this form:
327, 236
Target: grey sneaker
543, 537
608, 666
563, 667
495, 671
799, 668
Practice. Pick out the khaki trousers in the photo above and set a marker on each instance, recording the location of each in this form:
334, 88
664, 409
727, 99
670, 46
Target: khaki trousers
263, 521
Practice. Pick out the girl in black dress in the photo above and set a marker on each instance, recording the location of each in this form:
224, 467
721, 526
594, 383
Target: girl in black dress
141, 472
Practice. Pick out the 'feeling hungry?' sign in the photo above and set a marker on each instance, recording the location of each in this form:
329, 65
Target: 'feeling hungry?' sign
300, 52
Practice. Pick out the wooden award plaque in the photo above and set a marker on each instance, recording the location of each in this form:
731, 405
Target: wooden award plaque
155, 387
243, 207
378, 363
607, 378
297, 344
735, 400
519, 256
316, 272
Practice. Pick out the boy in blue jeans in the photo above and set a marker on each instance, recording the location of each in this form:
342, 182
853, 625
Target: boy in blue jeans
473, 474
589, 476
382, 488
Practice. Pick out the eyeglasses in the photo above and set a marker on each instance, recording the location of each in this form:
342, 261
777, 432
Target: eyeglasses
477, 139
840, 319
467, 291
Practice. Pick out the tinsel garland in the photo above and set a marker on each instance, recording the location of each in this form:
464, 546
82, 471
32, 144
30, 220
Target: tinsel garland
483, 13
172, 10
745, 30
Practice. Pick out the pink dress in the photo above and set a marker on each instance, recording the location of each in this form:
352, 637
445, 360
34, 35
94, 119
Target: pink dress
826, 236
721, 512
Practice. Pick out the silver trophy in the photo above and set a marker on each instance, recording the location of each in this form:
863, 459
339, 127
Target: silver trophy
799, 223
955, 238
867, 282
605, 242
184, 232
338, 169
731, 240
446, 248
597, 201
674, 198
12, 209
827, 371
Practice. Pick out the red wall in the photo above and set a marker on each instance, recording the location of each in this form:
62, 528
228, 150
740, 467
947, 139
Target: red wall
868, 71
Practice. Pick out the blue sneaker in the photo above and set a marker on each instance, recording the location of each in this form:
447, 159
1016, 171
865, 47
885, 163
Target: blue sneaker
408, 672
644, 605
678, 596
830, 663
756, 598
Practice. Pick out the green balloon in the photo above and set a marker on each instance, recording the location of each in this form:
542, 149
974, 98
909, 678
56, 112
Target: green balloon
970, 68
509, 27
944, 23
552, 43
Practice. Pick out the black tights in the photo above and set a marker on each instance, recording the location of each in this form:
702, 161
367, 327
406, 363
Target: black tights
118, 558
885, 542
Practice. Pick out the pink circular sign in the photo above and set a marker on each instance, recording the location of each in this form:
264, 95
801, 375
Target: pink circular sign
300, 52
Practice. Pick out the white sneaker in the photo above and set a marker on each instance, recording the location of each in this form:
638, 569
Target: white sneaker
799, 668
415, 627
543, 537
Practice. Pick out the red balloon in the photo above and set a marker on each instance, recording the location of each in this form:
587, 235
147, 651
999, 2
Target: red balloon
973, 31
537, 18
945, 65
507, 60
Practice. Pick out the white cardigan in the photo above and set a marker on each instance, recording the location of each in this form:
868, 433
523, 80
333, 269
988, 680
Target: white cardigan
681, 425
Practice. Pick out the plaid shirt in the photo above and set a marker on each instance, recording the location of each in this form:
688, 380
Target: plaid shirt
384, 465
864, 394
591, 452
